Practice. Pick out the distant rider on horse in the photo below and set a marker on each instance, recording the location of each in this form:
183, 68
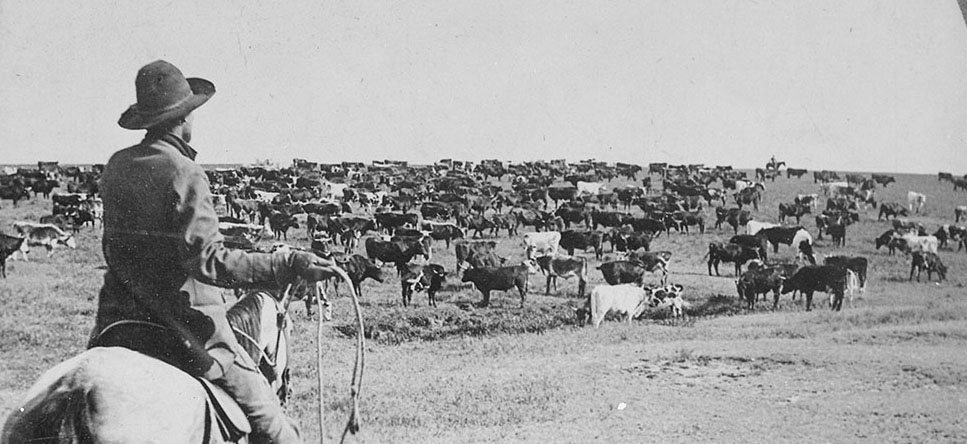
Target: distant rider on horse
165, 255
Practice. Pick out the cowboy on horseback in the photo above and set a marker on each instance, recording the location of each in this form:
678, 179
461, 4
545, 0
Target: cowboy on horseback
165, 255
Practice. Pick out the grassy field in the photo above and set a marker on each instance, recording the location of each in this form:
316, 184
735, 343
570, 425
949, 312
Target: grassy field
891, 368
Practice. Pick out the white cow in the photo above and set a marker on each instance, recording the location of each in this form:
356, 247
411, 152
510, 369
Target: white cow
916, 200
755, 226
833, 188
541, 244
926, 244
592, 188
627, 299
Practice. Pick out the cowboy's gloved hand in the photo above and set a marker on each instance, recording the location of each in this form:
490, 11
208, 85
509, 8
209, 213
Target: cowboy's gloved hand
312, 268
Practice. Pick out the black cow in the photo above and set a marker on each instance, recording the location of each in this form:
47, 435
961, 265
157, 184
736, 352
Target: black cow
793, 210
782, 235
415, 278
391, 220
622, 272
838, 233
280, 223
438, 210
443, 231
652, 261
748, 196
507, 222
686, 219
14, 192
752, 283
754, 242
606, 218
858, 264
798, 172
892, 209
626, 240
487, 279
887, 239
573, 215
360, 268
812, 278
736, 254
8, 246
930, 262
737, 217
583, 240
642, 224
883, 179
396, 252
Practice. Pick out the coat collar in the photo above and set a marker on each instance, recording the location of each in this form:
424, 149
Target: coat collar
173, 140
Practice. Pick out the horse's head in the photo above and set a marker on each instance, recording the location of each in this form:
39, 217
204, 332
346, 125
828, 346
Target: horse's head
262, 327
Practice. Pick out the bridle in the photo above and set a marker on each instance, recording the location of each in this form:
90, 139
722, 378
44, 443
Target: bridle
270, 356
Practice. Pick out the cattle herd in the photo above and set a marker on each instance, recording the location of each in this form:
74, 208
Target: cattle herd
366, 216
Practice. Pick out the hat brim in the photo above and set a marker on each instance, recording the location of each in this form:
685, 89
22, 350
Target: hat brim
135, 119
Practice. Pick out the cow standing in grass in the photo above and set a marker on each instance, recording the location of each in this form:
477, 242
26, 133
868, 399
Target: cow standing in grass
487, 279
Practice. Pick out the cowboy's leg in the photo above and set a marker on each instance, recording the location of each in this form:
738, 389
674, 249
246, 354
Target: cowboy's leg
256, 398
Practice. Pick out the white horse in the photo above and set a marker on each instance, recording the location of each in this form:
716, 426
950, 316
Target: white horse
116, 395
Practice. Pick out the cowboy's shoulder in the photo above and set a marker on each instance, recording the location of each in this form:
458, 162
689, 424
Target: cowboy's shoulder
156, 156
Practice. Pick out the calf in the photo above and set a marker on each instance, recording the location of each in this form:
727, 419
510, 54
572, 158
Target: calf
812, 278
629, 300
565, 267
758, 281
487, 279
736, 254
960, 212
670, 296
930, 262
857, 264
50, 237
8, 246
415, 278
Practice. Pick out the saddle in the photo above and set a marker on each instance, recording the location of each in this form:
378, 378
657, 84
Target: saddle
144, 337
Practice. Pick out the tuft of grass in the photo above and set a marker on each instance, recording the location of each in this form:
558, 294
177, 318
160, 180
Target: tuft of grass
399, 325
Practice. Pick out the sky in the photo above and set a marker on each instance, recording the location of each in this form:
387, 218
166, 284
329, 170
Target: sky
863, 85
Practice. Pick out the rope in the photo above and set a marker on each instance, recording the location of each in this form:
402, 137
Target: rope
352, 425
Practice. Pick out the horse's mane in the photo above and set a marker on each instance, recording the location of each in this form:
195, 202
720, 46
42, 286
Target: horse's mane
246, 316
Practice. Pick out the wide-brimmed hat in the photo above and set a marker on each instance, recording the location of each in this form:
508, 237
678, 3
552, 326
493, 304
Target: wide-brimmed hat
164, 94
